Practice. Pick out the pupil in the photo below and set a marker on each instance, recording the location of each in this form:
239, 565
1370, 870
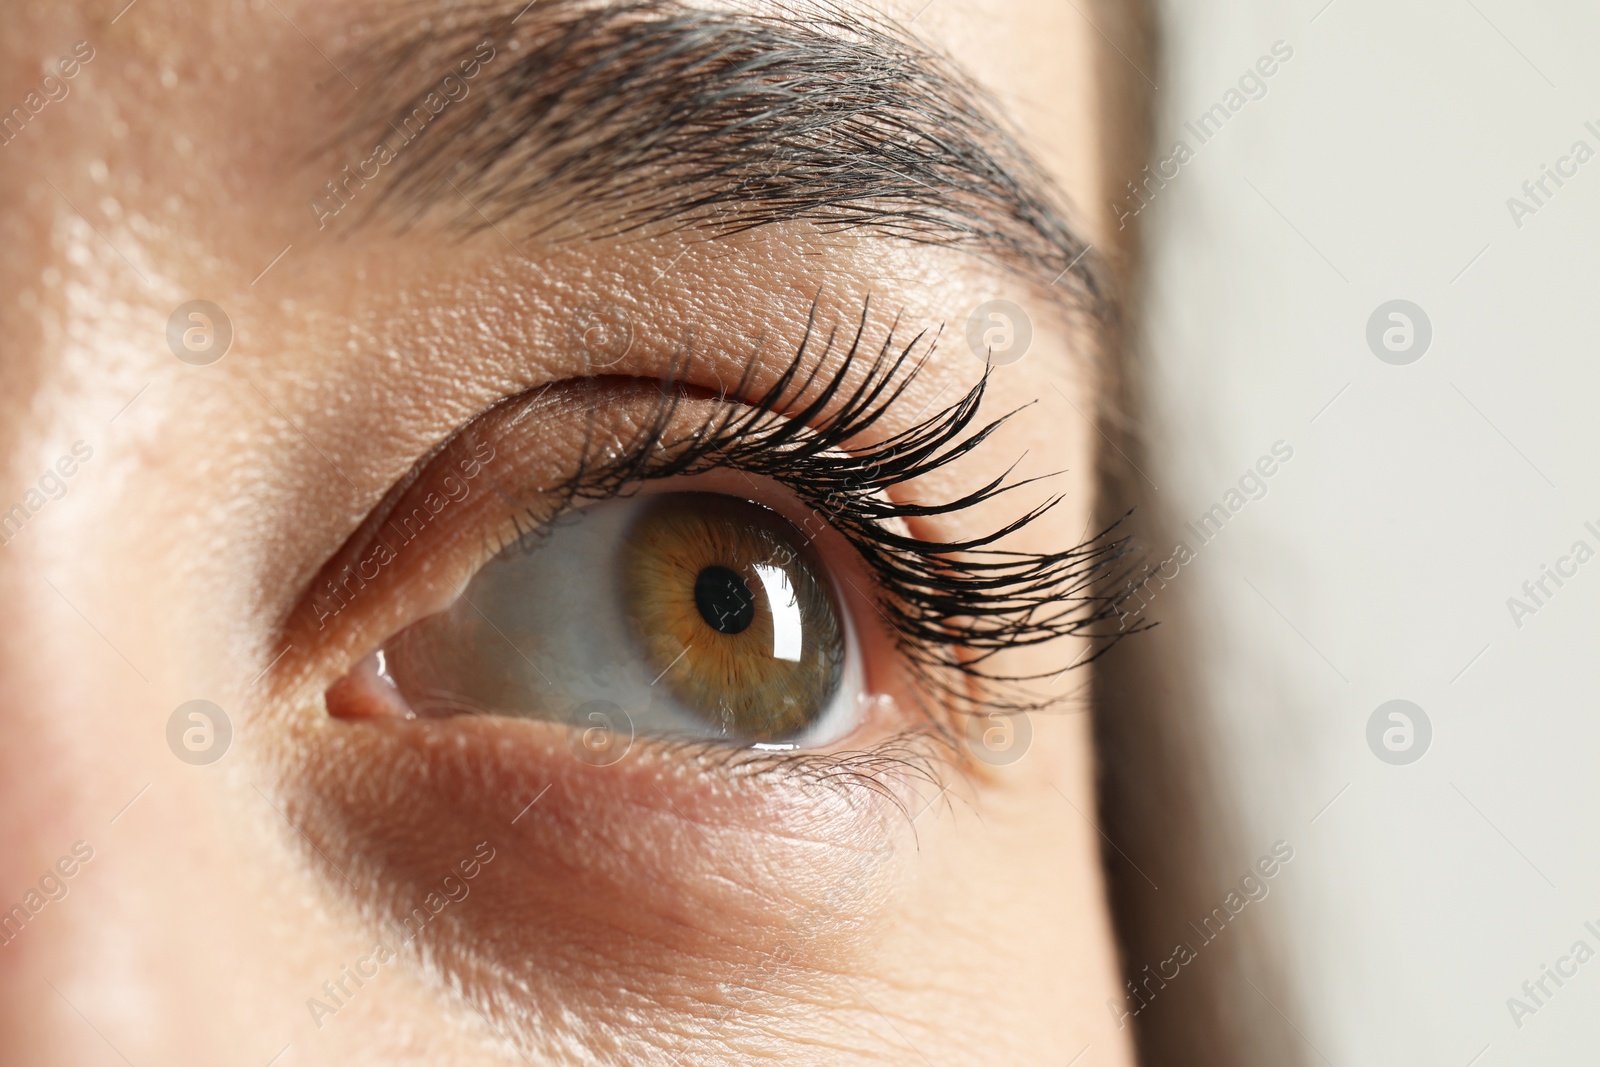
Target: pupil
724, 600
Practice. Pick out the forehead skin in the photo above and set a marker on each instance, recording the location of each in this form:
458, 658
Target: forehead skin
177, 166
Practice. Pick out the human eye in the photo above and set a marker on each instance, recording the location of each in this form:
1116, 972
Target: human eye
727, 572
677, 614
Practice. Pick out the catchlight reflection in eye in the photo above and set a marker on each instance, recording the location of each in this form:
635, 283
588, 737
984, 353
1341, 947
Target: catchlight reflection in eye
700, 615
786, 620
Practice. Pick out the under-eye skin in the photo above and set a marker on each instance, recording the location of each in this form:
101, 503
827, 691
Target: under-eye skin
623, 591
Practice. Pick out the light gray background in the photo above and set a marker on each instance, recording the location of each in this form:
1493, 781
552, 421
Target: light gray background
1418, 500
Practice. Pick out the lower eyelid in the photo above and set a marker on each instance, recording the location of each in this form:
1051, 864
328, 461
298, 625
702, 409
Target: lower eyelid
634, 871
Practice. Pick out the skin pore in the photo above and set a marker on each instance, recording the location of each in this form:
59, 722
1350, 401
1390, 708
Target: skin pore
891, 900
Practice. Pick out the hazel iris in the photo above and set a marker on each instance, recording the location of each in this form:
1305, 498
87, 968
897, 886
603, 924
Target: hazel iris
730, 604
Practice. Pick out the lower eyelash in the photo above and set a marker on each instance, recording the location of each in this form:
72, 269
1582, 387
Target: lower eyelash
893, 768
953, 604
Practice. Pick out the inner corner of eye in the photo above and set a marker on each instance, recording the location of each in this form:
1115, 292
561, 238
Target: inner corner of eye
688, 615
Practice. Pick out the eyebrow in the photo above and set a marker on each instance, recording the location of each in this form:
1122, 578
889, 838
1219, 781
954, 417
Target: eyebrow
615, 118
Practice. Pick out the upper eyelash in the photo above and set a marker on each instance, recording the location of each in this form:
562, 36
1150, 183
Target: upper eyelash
952, 604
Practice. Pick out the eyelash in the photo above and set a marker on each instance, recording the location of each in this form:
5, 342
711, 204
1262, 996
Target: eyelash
953, 605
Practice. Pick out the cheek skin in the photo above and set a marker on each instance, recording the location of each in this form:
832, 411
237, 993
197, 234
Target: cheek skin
648, 884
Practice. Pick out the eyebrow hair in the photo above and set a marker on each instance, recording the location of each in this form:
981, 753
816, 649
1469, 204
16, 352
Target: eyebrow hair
646, 112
